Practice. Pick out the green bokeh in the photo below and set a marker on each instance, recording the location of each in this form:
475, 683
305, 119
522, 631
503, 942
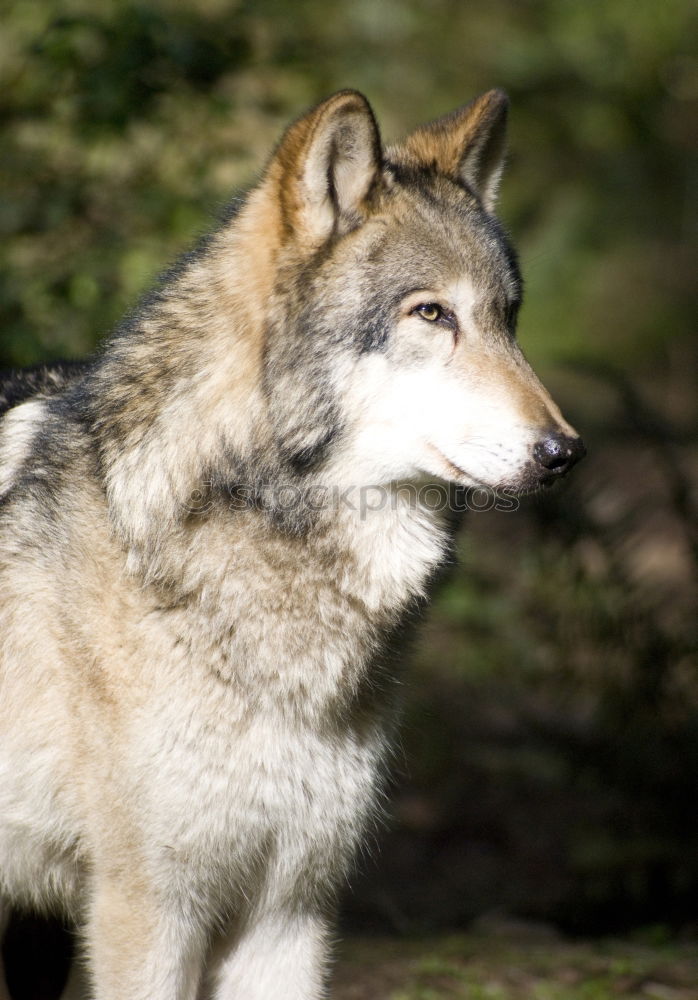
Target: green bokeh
554, 722
126, 124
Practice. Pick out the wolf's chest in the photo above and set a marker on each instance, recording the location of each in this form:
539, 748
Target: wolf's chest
267, 735
267, 798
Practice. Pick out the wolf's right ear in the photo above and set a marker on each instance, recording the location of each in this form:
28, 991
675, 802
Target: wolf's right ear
468, 145
326, 166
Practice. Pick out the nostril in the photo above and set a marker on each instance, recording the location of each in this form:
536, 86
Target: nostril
556, 461
558, 453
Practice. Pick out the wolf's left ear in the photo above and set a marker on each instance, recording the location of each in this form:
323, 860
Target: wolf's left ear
468, 145
327, 165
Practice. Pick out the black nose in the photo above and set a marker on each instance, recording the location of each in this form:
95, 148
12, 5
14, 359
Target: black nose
558, 453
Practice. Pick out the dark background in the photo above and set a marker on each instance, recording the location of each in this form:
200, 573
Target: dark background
550, 741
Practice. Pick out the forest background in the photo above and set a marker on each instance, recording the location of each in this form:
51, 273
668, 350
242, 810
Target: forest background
550, 736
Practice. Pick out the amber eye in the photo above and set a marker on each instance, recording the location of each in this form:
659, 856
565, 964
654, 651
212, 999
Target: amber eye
430, 311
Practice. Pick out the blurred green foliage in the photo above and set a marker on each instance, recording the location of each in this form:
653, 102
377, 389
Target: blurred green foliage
552, 737
125, 123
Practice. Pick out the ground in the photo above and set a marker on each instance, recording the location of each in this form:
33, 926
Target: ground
516, 965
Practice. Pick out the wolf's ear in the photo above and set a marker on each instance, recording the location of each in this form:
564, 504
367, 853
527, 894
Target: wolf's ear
326, 166
468, 145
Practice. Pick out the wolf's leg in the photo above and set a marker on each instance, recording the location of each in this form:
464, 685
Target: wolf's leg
140, 949
275, 956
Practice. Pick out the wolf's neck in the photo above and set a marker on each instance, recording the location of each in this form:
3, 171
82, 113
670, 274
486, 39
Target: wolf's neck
388, 548
377, 558
298, 621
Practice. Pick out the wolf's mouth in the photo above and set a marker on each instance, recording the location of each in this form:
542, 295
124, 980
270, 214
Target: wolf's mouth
529, 481
455, 472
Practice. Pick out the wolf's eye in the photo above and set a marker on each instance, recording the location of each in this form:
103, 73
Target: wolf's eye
430, 311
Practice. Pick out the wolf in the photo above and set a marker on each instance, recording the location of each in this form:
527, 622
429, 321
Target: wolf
196, 679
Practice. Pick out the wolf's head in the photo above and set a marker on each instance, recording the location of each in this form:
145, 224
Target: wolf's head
390, 324
353, 323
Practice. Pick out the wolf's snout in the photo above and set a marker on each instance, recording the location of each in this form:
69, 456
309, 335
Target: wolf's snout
557, 453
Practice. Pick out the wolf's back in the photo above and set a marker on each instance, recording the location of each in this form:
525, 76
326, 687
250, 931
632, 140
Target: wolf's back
18, 385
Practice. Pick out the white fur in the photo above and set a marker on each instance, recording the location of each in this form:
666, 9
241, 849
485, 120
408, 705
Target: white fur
231, 778
16, 435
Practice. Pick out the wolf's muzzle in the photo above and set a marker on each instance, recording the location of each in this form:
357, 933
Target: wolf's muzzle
557, 453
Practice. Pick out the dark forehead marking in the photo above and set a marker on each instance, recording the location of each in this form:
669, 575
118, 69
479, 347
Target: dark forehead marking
448, 203
427, 180
435, 198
